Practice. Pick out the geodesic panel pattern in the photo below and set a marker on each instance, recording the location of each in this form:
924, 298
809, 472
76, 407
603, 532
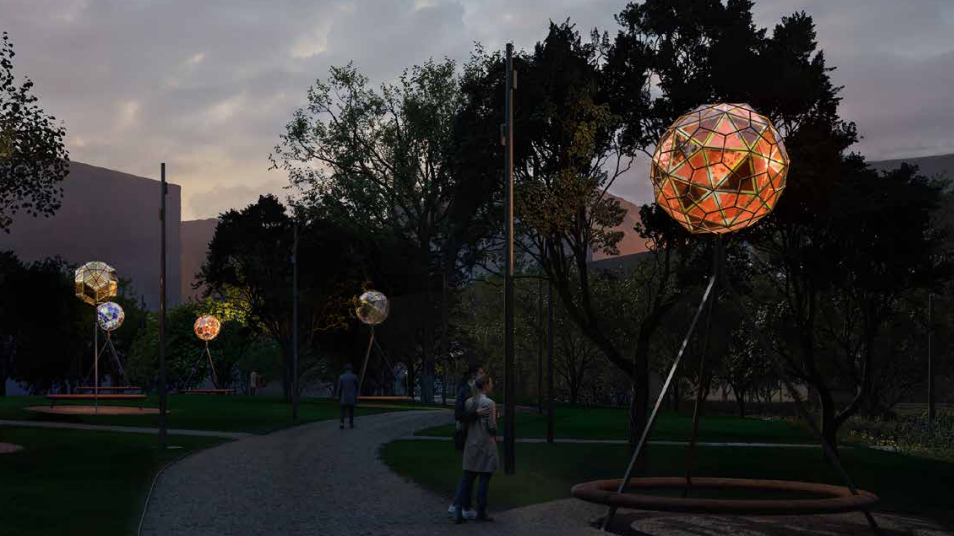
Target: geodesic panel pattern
110, 316
372, 308
96, 282
207, 327
719, 168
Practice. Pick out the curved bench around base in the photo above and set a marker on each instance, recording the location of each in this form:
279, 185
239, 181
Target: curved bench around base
834, 499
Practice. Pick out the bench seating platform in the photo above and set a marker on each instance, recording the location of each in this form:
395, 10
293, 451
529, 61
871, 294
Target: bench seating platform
207, 391
118, 388
385, 398
54, 398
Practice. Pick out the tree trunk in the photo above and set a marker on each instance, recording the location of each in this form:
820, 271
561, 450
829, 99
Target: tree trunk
829, 424
740, 401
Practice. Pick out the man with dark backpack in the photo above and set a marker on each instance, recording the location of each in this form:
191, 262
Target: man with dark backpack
463, 417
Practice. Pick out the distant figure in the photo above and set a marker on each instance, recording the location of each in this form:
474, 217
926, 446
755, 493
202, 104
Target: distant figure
346, 391
480, 451
253, 382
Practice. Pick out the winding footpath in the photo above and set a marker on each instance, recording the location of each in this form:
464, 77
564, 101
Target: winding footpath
316, 479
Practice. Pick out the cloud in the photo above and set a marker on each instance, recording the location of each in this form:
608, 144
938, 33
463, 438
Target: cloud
221, 198
208, 87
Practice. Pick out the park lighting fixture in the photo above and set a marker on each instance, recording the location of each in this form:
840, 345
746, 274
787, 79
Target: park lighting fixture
719, 168
96, 282
207, 327
110, 316
372, 308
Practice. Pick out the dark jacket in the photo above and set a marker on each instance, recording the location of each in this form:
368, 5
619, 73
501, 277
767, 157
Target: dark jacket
461, 412
347, 389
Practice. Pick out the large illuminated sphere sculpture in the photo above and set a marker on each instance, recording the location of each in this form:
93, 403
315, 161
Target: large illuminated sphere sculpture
719, 168
372, 307
96, 282
110, 316
207, 327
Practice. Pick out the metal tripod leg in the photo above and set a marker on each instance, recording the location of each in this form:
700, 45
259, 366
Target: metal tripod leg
112, 349
215, 380
364, 367
717, 259
662, 395
800, 406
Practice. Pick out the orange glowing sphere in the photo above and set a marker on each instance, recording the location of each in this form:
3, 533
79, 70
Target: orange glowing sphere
719, 168
207, 327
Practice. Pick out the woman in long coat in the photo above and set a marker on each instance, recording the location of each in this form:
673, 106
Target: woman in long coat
480, 449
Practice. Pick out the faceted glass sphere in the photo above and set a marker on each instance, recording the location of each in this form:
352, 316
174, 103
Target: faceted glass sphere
372, 308
110, 316
207, 327
719, 168
96, 282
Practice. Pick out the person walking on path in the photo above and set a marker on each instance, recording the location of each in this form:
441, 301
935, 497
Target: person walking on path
464, 418
346, 391
480, 450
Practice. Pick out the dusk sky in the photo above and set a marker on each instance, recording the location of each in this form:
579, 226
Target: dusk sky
207, 86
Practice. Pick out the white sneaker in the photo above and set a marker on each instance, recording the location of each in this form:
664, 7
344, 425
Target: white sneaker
470, 514
451, 508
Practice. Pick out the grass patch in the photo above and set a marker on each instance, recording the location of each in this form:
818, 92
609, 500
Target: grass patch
574, 422
80, 482
905, 484
257, 414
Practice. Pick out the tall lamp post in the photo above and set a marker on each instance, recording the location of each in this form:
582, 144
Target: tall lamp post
162, 307
510, 386
930, 364
294, 261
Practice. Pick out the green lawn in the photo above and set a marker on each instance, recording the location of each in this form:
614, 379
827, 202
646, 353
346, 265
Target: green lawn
80, 482
547, 472
611, 423
195, 412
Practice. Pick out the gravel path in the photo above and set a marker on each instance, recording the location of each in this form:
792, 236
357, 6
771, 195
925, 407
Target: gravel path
317, 479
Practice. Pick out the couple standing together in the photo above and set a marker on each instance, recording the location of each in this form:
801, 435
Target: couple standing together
476, 416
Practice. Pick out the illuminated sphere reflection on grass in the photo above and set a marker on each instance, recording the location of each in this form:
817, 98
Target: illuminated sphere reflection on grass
719, 168
372, 307
110, 316
207, 327
96, 282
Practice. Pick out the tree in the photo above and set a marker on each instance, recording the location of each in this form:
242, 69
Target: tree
842, 277
389, 163
249, 265
33, 158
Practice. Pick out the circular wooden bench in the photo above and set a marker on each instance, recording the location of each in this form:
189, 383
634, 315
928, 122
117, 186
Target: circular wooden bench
385, 398
115, 389
832, 499
207, 391
92, 396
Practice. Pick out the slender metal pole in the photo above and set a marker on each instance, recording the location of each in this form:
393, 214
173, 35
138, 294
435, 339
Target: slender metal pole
162, 307
717, 256
208, 353
540, 336
550, 431
930, 367
294, 260
662, 396
510, 393
95, 366
366, 356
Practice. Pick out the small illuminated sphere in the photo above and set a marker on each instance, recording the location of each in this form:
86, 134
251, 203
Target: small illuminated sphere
110, 316
372, 307
719, 168
96, 282
207, 327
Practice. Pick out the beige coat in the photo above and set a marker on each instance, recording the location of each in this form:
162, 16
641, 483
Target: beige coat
480, 450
